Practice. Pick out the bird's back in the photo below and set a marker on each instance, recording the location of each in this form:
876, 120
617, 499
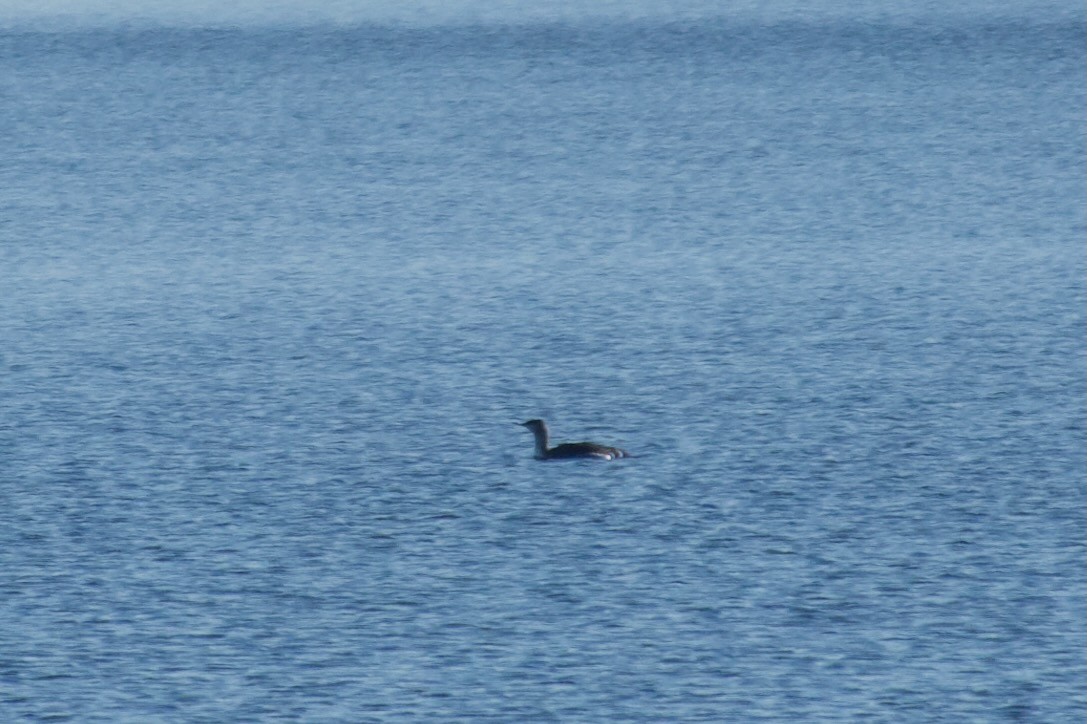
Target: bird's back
585, 450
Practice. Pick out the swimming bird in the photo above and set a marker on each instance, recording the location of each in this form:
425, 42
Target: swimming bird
570, 449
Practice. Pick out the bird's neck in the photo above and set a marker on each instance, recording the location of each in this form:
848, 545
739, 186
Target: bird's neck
541, 442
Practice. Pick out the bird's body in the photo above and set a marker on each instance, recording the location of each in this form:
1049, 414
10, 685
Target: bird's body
569, 450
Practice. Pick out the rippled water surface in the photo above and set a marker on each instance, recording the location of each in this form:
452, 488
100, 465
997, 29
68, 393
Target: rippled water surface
273, 301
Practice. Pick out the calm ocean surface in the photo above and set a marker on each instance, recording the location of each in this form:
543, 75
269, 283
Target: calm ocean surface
273, 299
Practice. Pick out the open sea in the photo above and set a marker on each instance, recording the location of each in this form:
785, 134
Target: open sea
273, 297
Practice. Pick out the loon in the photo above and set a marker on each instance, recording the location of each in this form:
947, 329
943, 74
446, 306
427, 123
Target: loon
571, 449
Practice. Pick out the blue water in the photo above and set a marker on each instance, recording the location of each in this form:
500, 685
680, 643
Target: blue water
273, 299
